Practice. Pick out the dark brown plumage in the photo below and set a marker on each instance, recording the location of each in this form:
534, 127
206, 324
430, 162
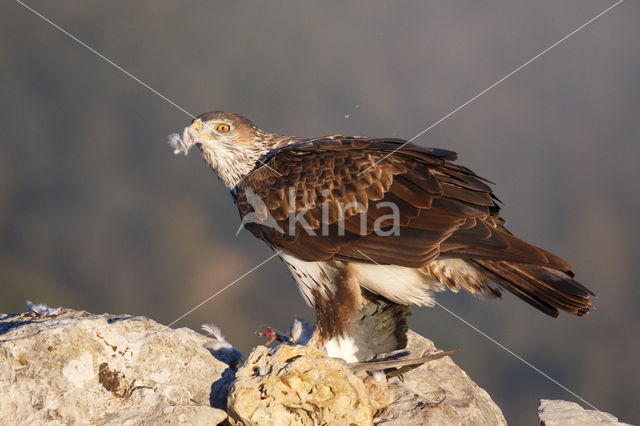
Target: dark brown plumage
446, 212
342, 190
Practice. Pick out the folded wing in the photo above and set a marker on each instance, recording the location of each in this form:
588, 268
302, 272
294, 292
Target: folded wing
378, 200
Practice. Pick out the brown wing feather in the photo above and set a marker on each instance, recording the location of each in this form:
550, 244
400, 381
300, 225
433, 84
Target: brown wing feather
445, 211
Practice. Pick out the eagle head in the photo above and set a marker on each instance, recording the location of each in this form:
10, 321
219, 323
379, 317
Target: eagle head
230, 144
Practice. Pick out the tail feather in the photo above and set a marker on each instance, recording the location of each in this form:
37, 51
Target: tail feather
545, 288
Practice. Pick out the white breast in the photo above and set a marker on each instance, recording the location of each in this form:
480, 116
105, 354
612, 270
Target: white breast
313, 277
406, 286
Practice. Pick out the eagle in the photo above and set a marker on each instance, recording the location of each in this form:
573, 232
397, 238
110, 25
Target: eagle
370, 226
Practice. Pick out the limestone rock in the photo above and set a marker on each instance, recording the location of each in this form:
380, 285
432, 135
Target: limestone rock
65, 367
377, 388
438, 392
297, 385
565, 413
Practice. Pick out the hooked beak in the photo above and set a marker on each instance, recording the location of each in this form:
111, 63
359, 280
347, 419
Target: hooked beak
191, 133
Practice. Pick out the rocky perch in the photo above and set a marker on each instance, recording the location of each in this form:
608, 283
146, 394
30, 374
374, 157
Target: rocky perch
64, 366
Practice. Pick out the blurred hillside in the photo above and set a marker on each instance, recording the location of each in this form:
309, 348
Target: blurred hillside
97, 214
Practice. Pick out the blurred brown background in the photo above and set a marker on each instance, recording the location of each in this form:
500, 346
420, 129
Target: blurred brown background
97, 214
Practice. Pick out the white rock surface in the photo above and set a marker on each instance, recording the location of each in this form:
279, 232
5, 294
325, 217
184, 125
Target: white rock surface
438, 392
75, 367
565, 413
69, 367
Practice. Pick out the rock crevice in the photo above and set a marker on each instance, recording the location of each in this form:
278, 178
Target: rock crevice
64, 366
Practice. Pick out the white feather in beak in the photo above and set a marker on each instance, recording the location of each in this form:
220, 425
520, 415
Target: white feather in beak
182, 144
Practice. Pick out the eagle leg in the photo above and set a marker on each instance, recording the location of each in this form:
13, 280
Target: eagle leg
337, 316
356, 324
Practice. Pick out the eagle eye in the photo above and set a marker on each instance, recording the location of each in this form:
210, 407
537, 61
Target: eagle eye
223, 128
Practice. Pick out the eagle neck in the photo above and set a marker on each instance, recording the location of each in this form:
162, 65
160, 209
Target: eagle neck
234, 160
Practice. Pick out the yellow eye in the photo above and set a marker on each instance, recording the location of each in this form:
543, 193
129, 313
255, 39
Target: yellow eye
223, 128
